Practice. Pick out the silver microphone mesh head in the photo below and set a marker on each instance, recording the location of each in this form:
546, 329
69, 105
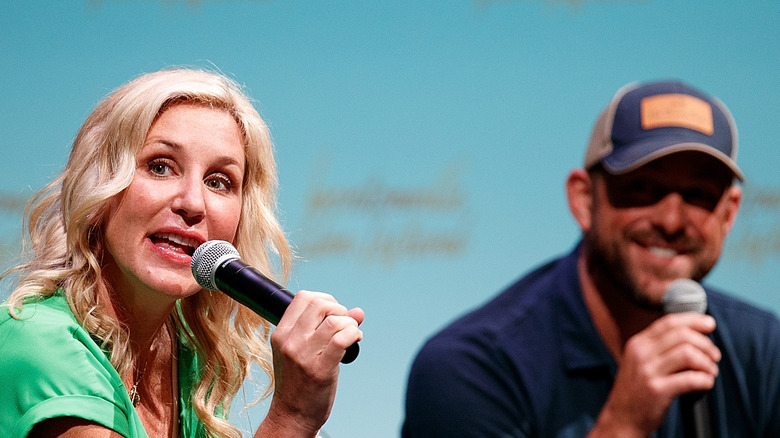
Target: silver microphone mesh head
684, 295
207, 257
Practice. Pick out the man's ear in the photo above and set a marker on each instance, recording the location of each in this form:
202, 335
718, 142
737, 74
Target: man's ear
579, 192
733, 199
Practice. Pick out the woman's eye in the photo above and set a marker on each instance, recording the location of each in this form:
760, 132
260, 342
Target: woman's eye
219, 183
160, 167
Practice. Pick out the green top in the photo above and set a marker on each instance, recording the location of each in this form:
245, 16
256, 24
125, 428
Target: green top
51, 367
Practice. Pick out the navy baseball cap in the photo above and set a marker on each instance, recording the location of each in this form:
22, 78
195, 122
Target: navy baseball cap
646, 121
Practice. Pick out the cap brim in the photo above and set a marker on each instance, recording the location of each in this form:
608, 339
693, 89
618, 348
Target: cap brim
627, 159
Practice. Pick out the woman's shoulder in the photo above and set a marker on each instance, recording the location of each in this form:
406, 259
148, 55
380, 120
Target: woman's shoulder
43, 334
57, 370
46, 320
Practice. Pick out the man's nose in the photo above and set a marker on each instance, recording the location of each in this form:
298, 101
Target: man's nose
671, 213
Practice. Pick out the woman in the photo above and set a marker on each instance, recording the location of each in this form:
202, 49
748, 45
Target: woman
107, 333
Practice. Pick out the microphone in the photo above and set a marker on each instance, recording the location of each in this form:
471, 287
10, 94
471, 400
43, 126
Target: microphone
217, 265
686, 295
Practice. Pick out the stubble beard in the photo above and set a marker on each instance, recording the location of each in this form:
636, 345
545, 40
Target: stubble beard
610, 269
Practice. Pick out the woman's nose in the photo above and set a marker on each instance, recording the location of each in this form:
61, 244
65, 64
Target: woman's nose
190, 201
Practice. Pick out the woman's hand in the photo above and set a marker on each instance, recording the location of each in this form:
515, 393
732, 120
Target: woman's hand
308, 344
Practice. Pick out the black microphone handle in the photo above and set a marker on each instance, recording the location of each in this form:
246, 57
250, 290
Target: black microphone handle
270, 302
686, 295
696, 415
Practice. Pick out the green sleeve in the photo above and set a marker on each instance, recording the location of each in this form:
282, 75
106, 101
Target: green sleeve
53, 368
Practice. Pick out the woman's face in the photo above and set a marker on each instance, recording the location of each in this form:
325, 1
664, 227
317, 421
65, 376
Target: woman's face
186, 190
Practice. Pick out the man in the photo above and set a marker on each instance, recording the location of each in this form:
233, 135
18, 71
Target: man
581, 346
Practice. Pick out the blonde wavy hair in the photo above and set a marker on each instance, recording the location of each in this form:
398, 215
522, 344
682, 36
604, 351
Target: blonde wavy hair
65, 224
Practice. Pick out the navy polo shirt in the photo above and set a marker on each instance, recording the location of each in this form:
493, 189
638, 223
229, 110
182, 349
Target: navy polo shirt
529, 363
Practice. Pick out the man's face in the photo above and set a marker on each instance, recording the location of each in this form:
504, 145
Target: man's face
663, 221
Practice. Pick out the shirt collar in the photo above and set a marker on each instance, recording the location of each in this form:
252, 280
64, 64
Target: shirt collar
581, 344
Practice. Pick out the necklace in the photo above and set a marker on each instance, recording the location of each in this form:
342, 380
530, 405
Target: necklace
174, 379
135, 397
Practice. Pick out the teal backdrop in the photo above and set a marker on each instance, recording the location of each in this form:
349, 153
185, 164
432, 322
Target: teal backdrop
422, 145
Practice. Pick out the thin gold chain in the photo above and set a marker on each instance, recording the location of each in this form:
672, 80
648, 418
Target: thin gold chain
174, 379
135, 397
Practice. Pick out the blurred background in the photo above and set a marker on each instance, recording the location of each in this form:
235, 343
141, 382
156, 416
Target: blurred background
422, 145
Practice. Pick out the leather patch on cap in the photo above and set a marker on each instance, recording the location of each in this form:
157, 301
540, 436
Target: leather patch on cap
677, 110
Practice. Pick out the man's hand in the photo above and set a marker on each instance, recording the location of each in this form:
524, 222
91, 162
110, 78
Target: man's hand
672, 356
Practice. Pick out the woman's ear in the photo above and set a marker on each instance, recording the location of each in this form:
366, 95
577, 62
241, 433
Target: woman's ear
579, 192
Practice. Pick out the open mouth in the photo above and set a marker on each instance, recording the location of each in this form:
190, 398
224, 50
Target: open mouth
175, 242
662, 252
665, 247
